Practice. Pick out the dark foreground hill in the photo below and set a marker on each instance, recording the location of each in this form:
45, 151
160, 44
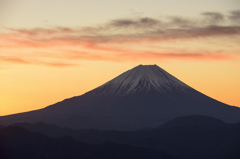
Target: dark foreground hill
198, 137
144, 96
19, 143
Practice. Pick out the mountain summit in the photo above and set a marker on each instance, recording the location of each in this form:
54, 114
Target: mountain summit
145, 96
142, 78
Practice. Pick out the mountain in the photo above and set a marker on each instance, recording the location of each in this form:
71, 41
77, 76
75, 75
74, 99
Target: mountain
194, 120
145, 96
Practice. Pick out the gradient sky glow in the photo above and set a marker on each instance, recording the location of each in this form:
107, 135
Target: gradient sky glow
51, 50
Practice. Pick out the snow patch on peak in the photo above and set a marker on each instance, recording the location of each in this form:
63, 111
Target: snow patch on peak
141, 78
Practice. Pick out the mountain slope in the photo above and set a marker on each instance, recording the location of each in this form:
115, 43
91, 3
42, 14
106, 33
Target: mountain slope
145, 96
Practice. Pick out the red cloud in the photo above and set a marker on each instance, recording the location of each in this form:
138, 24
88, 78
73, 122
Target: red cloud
13, 60
124, 55
18, 60
55, 64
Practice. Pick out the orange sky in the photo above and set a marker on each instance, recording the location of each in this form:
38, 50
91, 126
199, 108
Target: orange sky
43, 61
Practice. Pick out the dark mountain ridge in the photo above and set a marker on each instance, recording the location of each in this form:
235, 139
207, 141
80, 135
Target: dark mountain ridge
185, 137
194, 120
16, 143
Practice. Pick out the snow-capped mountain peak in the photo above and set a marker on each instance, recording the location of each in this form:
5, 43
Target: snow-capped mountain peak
144, 96
141, 78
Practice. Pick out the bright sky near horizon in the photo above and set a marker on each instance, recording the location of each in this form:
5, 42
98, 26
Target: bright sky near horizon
51, 50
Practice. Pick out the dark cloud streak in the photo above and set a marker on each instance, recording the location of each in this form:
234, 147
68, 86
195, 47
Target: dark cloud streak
213, 17
144, 28
235, 16
135, 23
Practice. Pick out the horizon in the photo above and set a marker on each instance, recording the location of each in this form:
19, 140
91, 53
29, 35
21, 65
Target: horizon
51, 51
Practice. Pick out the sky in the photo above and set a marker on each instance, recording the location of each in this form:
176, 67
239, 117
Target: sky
51, 50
